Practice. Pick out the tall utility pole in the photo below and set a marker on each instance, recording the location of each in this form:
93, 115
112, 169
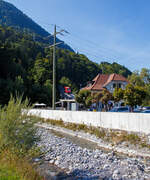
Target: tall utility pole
54, 64
54, 71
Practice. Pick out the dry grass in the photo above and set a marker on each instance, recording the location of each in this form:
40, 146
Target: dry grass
114, 137
15, 168
77, 127
123, 136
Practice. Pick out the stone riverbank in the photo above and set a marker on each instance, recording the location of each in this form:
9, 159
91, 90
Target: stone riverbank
84, 163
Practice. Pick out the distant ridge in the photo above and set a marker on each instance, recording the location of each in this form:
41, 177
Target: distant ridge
11, 16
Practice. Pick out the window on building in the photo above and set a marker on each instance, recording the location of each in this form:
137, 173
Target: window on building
114, 85
119, 85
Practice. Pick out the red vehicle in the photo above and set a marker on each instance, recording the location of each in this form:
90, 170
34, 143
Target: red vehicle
67, 89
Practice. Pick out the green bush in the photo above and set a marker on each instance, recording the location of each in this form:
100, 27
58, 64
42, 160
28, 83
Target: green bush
17, 128
17, 141
12, 167
8, 174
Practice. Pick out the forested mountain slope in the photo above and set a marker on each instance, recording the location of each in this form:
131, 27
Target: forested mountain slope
26, 67
11, 16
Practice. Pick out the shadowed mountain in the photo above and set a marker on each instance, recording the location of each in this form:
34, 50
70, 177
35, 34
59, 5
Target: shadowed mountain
11, 16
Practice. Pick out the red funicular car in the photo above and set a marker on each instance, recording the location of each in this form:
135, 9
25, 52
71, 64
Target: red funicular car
67, 89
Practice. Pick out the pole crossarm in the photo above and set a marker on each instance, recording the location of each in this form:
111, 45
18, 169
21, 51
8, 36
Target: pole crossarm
60, 32
55, 44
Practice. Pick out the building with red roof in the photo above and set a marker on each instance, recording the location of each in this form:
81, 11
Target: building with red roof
107, 81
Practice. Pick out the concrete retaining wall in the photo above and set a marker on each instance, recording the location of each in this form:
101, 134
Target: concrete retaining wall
136, 122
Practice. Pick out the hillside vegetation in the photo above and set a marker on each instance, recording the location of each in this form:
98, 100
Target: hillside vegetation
26, 67
11, 16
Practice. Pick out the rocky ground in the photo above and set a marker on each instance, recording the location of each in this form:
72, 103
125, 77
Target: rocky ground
88, 163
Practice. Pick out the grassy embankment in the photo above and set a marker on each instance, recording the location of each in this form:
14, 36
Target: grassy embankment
113, 137
17, 142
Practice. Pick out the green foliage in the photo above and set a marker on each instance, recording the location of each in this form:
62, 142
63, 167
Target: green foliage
16, 127
145, 75
84, 97
11, 16
118, 94
19, 85
106, 96
146, 101
41, 70
76, 67
18, 135
8, 174
96, 98
108, 68
64, 81
134, 95
12, 167
142, 79
26, 67
136, 79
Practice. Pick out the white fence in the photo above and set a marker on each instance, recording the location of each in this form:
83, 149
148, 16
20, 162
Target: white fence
136, 122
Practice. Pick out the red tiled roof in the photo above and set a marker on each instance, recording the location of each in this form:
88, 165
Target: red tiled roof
115, 77
95, 79
101, 80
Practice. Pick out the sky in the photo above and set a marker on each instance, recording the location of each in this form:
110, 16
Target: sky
103, 30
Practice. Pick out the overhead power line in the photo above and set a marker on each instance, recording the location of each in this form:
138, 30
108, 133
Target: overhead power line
88, 47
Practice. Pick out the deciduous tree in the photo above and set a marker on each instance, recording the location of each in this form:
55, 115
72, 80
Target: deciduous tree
134, 95
118, 94
84, 97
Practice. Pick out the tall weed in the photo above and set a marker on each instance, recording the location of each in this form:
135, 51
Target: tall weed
17, 141
17, 128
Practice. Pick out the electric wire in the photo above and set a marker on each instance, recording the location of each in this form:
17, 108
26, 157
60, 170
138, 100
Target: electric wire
93, 50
